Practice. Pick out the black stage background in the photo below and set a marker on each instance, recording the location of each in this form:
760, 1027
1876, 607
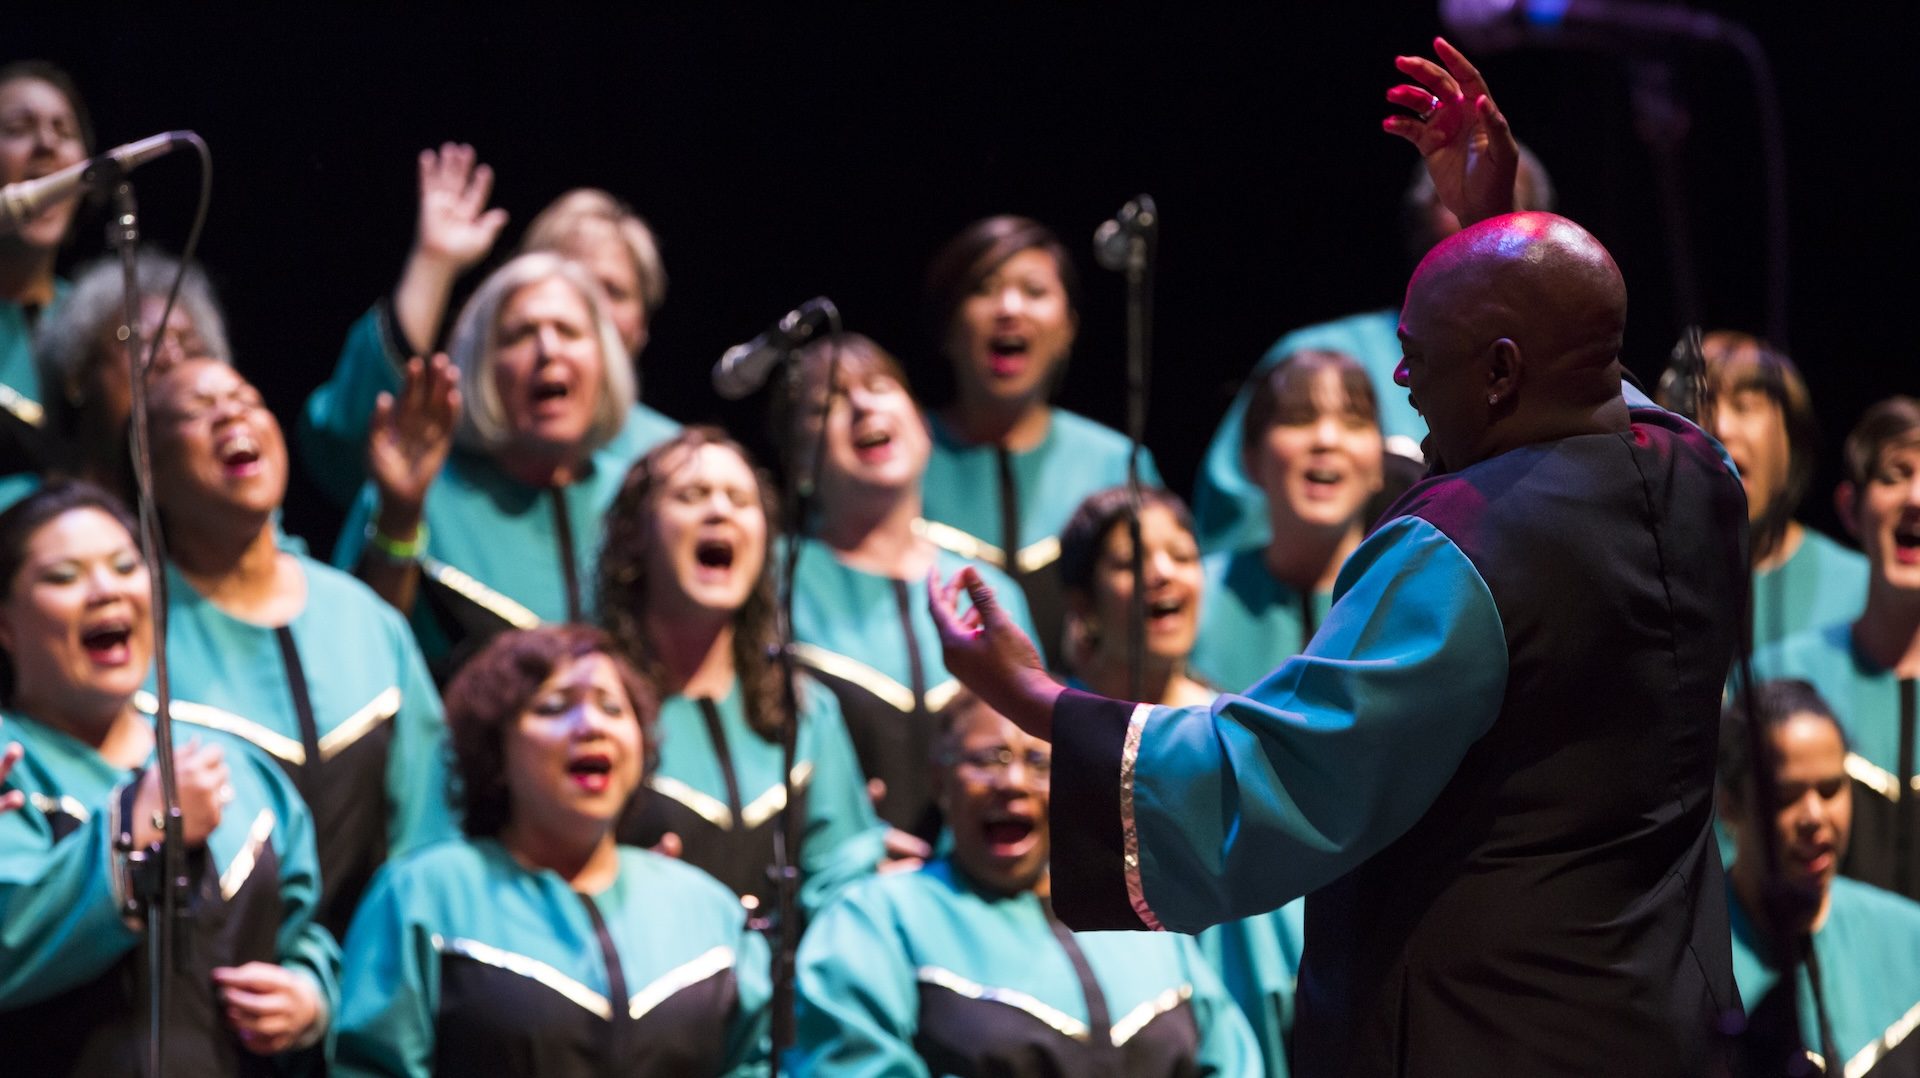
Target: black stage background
781, 154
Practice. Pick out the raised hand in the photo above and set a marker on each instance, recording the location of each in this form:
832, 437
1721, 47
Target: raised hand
990, 654
408, 441
1470, 152
455, 225
203, 783
272, 1008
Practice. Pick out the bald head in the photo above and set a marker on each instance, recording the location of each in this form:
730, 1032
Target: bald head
1520, 318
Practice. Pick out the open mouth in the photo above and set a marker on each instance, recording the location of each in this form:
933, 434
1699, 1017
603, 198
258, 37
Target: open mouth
1007, 354
106, 642
714, 555
592, 771
1160, 611
549, 391
873, 444
1009, 834
1906, 543
239, 454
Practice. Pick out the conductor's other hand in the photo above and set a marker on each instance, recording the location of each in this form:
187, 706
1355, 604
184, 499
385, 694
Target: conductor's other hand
1470, 151
990, 654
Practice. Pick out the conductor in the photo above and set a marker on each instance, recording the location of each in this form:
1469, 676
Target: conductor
1491, 770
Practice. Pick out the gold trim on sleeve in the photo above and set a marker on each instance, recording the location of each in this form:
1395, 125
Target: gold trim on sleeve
965, 544
1037, 555
24, 409
469, 588
764, 807
942, 694
1867, 1058
242, 865
1876, 778
65, 804
1062, 1023
678, 979
711, 809
1130, 834
833, 664
376, 711
531, 968
1137, 1019
272, 741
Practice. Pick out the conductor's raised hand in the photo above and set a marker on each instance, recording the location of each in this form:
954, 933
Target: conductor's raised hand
411, 435
990, 654
1470, 152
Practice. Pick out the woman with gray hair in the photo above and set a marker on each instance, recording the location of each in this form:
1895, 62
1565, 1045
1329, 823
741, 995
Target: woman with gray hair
83, 365
456, 232
491, 470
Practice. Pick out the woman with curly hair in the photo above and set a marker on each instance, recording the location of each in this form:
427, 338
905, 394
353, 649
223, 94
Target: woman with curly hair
536, 945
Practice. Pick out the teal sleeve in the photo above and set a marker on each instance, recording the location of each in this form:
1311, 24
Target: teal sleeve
1270, 795
858, 1005
60, 923
844, 839
390, 990
750, 1037
302, 944
420, 809
334, 423
1227, 1045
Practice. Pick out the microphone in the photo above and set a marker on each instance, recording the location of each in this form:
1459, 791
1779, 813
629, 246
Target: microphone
1113, 240
22, 202
744, 367
1497, 25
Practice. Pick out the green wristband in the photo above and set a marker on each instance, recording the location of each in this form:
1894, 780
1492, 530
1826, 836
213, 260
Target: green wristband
395, 550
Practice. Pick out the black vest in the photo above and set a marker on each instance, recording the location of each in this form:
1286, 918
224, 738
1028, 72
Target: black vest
1560, 908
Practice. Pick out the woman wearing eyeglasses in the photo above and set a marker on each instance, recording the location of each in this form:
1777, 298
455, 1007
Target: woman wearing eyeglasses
961, 969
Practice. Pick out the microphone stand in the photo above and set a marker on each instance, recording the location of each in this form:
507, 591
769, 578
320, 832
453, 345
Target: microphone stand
163, 886
796, 500
1138, 227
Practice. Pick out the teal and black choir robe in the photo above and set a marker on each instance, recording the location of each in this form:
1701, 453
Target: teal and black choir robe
1877, 710
1249, 621
1869, 953
1008, 508
871, 640
1258, 961
74, 967
463, 961
718, 787
340, 699
1491, 773
925, 973
500, 554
